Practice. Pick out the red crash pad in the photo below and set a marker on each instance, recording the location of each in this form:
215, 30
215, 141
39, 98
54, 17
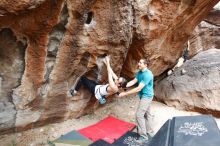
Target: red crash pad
108, 129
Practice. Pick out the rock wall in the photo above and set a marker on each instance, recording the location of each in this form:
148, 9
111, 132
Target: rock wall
55, 42
16, 7
206, 34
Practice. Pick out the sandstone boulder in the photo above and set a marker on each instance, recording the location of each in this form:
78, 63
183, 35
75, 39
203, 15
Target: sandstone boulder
197, 88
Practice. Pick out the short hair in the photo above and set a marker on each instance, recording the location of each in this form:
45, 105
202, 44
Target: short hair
145, 61
123, 82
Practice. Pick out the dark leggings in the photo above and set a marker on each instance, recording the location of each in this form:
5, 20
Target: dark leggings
90, 84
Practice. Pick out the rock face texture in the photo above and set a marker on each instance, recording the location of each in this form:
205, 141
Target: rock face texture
196, 89
15, 7
46, 45
206, 34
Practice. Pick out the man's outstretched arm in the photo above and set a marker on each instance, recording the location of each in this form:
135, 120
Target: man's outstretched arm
132, 82
132, 91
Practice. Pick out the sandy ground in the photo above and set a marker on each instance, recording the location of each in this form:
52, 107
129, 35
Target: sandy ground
122, 108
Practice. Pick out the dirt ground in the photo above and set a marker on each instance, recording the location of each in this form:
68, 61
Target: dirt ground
122, 108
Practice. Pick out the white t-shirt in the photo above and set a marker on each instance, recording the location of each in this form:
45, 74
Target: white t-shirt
101, 90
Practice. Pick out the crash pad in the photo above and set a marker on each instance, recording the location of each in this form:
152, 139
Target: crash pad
108, 129
73, 138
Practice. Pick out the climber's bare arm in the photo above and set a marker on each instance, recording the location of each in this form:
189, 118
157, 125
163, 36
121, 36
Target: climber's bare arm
112, 86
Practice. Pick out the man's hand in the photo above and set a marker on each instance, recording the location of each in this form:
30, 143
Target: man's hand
104, 60
122, 94
107, 58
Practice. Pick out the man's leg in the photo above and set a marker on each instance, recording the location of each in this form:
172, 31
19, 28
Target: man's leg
144, 103
73, 91
89, 84
79, 84
148, 119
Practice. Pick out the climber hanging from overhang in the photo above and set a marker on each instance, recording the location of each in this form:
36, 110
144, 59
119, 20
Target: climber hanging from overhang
101, 90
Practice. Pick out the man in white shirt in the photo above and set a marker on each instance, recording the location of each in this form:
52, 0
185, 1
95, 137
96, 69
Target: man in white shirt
101, 91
